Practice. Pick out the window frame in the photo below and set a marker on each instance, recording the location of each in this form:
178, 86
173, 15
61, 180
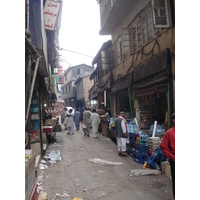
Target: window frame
130, 40
167, 11
119, 56
138, 25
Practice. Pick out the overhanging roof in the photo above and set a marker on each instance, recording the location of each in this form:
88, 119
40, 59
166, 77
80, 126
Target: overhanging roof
105, 46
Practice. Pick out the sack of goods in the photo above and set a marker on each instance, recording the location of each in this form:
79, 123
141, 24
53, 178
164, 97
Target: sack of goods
153, 143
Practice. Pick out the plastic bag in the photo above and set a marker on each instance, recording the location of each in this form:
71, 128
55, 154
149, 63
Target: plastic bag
84, 126
54, 155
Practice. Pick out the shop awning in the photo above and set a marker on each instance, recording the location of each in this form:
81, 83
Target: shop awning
152, 66
122, 83
149, 82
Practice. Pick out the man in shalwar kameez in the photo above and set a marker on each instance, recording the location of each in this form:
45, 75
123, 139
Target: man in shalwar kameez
94, 121
77, 119
86, 119
70, 122
121, 134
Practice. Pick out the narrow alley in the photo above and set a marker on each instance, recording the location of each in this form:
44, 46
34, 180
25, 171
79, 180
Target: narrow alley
75, 175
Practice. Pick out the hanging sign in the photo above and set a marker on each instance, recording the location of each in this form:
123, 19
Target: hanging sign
51, 12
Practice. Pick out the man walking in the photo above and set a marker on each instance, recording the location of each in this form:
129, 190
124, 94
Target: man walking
86, 119
121, 134
167, 146
94, 121
70, 122
77, 119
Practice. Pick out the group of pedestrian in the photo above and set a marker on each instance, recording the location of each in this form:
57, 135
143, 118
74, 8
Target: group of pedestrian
71, 117
90, 119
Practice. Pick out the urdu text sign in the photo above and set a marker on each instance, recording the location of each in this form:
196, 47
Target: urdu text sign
51, 11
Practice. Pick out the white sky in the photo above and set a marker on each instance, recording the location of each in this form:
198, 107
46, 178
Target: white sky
80, 31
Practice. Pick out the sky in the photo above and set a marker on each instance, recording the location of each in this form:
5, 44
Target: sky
80, 26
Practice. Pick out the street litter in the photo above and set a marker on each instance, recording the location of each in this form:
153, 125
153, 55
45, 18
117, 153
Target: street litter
104, 162
39, 189
62, 195
84, 190
76, 198
43, 161
53, 155
144, 172
56, 145
41, 166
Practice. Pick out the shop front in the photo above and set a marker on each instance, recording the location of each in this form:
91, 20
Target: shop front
151, 104
122, 96
153, 91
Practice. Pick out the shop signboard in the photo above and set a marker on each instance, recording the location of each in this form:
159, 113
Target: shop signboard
51, 12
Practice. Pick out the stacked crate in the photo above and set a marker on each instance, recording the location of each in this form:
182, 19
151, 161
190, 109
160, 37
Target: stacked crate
156, 159
141, 153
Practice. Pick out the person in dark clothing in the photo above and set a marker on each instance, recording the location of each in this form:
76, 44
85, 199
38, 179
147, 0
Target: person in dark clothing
167, 146
77, 119
121, 134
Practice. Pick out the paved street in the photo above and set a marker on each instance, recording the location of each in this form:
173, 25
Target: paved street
75, 175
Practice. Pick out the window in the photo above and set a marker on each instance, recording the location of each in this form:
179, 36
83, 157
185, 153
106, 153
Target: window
127, 40
160, 14
65, 76
144, 28
78, 71
69, 87
118, 53
135, 38
138, 35
149, 25
66, 88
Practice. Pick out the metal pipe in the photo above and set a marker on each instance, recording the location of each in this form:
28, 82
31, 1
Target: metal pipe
129, 96
31, 91
110, 105
134, 114
28, 93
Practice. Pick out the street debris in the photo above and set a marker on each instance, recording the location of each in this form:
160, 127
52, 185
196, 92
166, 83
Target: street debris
59, 196
43, 161
84, 190
104, 162
144, 172
56, 145
53, 155
76, 198
41, 166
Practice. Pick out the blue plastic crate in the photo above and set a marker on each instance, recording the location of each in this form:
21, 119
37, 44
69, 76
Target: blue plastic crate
141, 148
156, 159
131, 152
140, 158
131, 138
113, 129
